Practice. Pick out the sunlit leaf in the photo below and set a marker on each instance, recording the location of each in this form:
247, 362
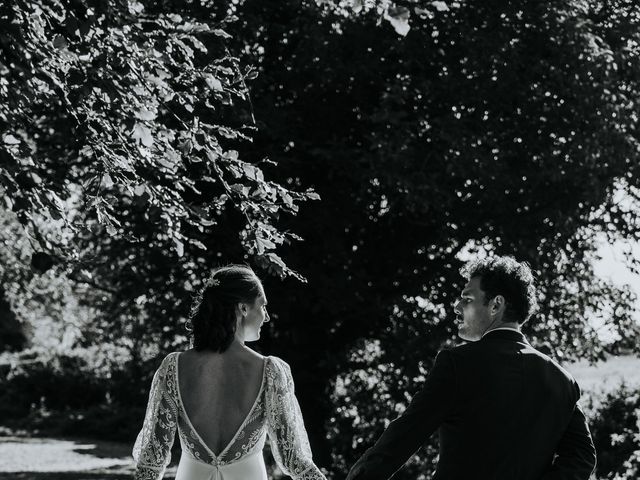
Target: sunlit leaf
398, 17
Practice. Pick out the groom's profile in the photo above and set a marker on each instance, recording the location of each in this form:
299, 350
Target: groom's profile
504, 410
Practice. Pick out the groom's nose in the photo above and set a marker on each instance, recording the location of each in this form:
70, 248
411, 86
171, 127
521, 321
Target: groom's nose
456, 308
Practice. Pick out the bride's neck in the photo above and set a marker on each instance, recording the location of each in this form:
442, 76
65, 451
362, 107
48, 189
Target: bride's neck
238, 345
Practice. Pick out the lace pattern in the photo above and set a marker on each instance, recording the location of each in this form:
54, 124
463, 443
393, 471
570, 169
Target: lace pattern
289, 441
152, 449
275, 414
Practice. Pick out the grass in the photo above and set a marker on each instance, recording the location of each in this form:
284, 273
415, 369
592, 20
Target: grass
606, 376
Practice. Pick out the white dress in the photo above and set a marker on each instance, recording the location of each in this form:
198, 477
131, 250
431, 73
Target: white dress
275, 413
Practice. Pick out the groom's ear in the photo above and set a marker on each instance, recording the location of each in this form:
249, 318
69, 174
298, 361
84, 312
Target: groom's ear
498, 304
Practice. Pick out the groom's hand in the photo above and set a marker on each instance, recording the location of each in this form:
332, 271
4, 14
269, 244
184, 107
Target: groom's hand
357, 468
353, 473
368, 466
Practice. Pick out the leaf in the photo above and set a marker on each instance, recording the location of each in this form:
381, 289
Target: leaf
398, 17
167, 163
11, 140
311, 195
198, 44
277, 261
231, 155
286, 198
221, 33
186, 147
143, 134
57, 203
252, 172
145, 114
211, 155
170, 160
179, 247
214, 83
198, 244
440, 6
135, 7
264, 244
227, 132
107, 181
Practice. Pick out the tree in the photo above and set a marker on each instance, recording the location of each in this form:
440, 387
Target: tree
123, 122
492, 126
489, 127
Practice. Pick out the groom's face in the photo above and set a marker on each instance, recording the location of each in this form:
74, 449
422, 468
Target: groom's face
471, 312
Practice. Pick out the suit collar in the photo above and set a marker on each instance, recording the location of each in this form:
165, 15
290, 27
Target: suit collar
505, 334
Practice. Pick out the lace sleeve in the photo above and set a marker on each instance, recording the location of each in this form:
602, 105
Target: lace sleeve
288, 437
152, 450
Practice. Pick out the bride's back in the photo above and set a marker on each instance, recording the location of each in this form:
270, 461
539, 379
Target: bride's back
218, 391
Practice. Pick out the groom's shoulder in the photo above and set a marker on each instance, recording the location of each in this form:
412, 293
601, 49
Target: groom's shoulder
466, 349
474, 353
463, 354
552, 364
474, 349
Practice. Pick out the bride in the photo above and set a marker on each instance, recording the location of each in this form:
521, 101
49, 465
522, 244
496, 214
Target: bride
223, 398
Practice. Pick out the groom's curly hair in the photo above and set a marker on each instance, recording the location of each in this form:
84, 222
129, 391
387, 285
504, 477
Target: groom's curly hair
507, 277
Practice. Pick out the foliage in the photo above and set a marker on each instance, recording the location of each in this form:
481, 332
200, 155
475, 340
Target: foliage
122, 122
77, 392
46, 306
492, 127
615, 427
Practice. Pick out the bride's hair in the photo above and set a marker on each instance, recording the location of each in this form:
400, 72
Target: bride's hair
213, 315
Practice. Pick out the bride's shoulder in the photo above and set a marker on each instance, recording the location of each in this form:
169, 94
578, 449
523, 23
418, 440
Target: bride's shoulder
276, 361
169, 360
171, 356
278, 369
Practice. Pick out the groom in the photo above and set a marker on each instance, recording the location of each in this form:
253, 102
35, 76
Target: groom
504, 410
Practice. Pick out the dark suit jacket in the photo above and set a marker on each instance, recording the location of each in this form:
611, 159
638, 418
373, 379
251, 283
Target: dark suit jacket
504, 410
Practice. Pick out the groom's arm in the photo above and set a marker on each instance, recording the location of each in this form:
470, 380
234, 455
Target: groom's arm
575, 454
410, 430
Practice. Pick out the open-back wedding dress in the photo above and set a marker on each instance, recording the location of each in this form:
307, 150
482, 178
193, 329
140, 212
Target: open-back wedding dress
275, 413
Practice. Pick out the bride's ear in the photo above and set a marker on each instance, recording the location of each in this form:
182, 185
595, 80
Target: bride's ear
241, 310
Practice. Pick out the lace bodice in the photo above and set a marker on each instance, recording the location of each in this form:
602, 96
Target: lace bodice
275, 414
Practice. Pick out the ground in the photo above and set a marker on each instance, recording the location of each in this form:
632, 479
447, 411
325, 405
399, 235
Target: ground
55, 459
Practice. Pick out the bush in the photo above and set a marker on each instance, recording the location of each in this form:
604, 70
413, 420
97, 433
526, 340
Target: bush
615, 425
76, 393
39, 384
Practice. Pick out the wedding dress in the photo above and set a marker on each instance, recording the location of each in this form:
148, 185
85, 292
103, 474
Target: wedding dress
275, 413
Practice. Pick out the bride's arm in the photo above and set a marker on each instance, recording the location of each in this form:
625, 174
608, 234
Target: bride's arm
152, 450
289, 442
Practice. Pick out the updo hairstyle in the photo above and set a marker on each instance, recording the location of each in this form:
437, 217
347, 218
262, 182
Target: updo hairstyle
213, 315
